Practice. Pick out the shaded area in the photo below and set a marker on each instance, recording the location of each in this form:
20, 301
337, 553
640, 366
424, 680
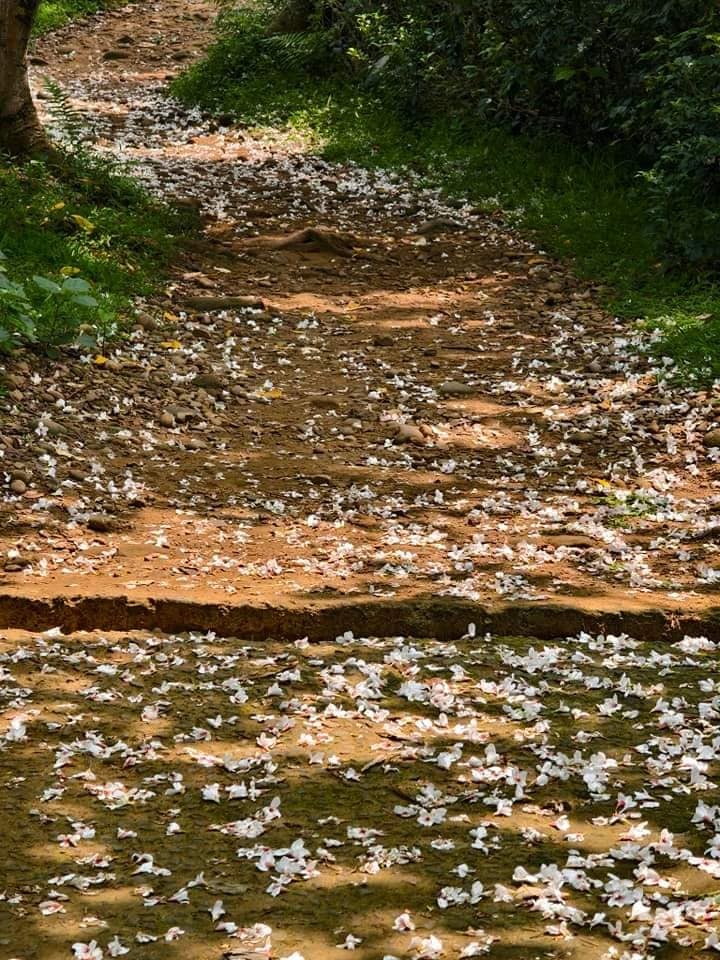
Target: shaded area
394, 762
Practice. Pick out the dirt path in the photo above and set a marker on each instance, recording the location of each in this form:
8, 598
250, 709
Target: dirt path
403, 435
443, 415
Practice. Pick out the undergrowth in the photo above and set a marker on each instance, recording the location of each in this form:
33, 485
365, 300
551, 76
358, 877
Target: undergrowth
584, 205
78, 237
75, 219
56, 13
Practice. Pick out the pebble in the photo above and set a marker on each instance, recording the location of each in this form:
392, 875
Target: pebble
209, 381
712, 439
167, 419
409, 433
455, 388
438, 225
18, 486
101, 523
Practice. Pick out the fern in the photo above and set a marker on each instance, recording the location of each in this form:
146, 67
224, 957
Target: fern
66, 119
295, 51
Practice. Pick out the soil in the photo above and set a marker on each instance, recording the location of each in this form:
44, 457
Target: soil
186, 796
426, 423
414, 413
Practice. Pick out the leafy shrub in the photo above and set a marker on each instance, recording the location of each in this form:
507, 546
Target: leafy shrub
643, 76
52, 314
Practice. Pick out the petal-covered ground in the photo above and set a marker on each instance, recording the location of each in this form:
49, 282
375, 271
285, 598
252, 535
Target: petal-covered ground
411, 402
187, 796
418, 404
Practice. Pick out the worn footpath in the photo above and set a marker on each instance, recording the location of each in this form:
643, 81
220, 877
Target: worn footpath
356, 411
416, 403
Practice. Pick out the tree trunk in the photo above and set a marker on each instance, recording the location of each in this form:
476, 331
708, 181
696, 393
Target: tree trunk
20, 130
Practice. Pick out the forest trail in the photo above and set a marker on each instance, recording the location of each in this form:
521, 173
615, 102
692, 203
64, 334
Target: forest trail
421, 431
422, 412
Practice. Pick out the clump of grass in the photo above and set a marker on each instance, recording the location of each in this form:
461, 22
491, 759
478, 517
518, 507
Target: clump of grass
584, 205
56, 13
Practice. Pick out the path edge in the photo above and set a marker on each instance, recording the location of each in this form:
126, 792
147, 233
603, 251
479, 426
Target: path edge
444, 618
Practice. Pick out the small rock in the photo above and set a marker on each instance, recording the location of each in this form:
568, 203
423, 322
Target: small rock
53, 429
324, 403
18, 486
145, 321
210, 382
383, 341
101, 523
167, 419
77, 474
320, 479
452, 388
438, 225
115, 55
712, 439
181, 412
409, 433
23, 475
195, 443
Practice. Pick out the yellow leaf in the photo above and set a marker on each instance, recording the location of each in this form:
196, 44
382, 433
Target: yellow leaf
275, 394
170, 317
69, 271
58, 206
100, 360
171, 344
83, 222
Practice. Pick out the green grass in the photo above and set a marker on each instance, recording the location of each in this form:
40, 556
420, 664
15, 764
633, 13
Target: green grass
584, 206
84, 216
56, 13
77, 217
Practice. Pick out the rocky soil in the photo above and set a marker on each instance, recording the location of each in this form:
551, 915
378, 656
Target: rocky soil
405, 400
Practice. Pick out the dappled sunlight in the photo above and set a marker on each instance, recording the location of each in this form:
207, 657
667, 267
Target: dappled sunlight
489, 791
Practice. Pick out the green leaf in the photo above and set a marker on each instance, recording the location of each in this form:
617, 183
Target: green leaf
87, 340
49, 285
75, 285
564, 73
83, 300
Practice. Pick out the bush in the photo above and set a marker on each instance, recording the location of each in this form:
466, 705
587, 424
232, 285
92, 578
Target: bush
643, 76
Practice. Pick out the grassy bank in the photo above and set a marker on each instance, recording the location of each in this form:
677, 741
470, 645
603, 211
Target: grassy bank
78, 239
584, 206
93, 239
56, 13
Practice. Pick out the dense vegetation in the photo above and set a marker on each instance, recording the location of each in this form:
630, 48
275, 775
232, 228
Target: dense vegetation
56, 13
78, 239
77, 242
597, 125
